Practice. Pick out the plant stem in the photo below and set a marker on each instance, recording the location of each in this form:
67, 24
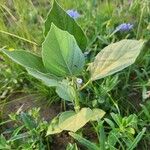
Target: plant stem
115, 104
84, 85
19, 37
140, 22
76, 94
77, 104
3, 47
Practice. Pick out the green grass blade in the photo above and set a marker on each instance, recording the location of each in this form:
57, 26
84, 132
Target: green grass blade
137, 139
89, 145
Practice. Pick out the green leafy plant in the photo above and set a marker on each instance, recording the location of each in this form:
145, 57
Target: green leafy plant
123, 135
28, 131
72, 121
62, 61
63, 21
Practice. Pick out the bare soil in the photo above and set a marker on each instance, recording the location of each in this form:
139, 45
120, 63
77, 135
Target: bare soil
27, 102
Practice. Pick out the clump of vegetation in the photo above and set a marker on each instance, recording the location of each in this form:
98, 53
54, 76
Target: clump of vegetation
82, 68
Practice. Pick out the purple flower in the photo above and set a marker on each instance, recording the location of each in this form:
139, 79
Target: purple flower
124, 27
73, 13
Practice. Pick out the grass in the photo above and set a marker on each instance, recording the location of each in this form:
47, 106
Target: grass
21, 24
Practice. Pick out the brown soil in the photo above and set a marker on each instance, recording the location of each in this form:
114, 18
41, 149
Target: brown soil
60, 141
26, 102
135, 99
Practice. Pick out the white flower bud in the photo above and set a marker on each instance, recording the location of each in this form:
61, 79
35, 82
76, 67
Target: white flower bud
79, 81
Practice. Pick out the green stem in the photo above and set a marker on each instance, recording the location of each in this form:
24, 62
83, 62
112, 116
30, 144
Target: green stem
140, 22
84, 85
109, 36
115, 104
3, 47
19, 37
77, 103
76, 99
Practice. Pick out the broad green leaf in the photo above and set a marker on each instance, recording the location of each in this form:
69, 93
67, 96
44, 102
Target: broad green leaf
76, 121
65, 115
45, 78
114, 58
72, 121
61, 54
65, 91
97, 114
53, 128
62, 20
88, 144
26, 59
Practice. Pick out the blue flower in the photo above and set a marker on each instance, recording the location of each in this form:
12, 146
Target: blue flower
73, 13
124, 27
